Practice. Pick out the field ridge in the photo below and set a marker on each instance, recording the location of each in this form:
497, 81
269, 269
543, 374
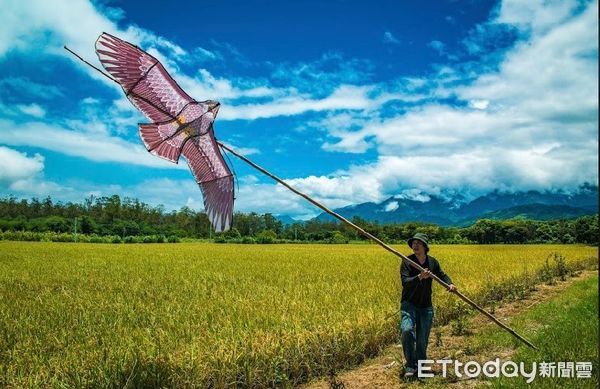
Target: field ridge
385, 370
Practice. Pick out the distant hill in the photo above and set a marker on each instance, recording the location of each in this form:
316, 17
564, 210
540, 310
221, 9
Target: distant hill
286, 219
497, 205
537, 212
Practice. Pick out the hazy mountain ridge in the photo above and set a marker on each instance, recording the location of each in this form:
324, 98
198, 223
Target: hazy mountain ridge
453, 211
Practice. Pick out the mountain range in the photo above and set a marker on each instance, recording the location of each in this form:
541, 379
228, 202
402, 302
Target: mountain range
455, 211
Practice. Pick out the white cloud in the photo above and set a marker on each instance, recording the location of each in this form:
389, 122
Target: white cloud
472, 172
350, 142
344, 97
388, 37
521, 125
391, 206
50, 25
536, 15
33, 109
251, 198
414, 194
22, 174
321, 76
438, 46
479, 104
15, 166
77, 24
30, 89
341, 188
172, 194
93, 146
37, 187
548, 76
205, 86
532, 124
242, 150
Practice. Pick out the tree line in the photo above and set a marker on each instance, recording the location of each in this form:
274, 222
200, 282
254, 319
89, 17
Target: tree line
128, 220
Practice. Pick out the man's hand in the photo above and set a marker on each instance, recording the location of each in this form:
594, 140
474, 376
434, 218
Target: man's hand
452, 288
425, 274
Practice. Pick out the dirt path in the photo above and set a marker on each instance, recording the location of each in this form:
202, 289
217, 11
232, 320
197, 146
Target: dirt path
384, 371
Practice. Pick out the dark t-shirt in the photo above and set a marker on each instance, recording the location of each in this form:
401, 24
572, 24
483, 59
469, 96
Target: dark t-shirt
415, 291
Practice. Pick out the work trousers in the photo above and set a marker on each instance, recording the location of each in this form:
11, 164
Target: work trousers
415, 326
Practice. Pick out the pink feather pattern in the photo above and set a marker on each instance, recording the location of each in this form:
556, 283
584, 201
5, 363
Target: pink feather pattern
180, 125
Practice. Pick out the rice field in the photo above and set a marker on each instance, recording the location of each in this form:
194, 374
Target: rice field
86, 315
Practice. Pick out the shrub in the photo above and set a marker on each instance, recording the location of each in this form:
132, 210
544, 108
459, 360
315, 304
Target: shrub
149, 239
232, 234
131, 239
61, 237
561, 266
266, 237
220, 238
546, 273
96, 239
461, 325
248, 240
337, 238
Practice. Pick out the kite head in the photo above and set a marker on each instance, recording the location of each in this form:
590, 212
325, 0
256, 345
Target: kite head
213, 106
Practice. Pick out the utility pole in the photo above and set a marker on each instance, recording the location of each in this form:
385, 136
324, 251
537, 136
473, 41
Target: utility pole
75, 228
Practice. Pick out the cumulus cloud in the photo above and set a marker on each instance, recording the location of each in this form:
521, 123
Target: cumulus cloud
414, 194
388, 37
92, 146
471, 173
242, 150
391, 206
251, 198
15, 166
23, 174
344, 97
438, 46
77, 24
518, 122
521, 126
28, 88
321, 76
33, 109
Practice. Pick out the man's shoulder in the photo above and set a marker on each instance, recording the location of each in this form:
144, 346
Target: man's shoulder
412, 257
432, 260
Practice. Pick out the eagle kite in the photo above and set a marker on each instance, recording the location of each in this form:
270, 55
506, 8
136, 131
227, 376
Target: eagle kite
180, 124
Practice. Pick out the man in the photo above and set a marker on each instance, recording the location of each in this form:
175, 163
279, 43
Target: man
416, 310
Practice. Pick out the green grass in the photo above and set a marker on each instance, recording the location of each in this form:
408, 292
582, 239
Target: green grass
564, 329
85, 315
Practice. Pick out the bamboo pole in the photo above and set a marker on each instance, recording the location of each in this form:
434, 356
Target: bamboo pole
348, 222
381, 243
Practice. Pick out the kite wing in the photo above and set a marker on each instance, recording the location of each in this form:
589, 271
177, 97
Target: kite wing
180, 125
143, 78
216, 184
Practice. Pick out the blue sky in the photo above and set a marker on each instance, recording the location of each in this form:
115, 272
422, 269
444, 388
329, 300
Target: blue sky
349, 101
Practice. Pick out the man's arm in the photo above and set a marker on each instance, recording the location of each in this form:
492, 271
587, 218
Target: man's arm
443, 276
407, 280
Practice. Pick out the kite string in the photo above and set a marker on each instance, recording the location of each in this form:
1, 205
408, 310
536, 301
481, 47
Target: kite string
235, 177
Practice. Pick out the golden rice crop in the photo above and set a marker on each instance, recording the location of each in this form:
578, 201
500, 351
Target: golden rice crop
220, 315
